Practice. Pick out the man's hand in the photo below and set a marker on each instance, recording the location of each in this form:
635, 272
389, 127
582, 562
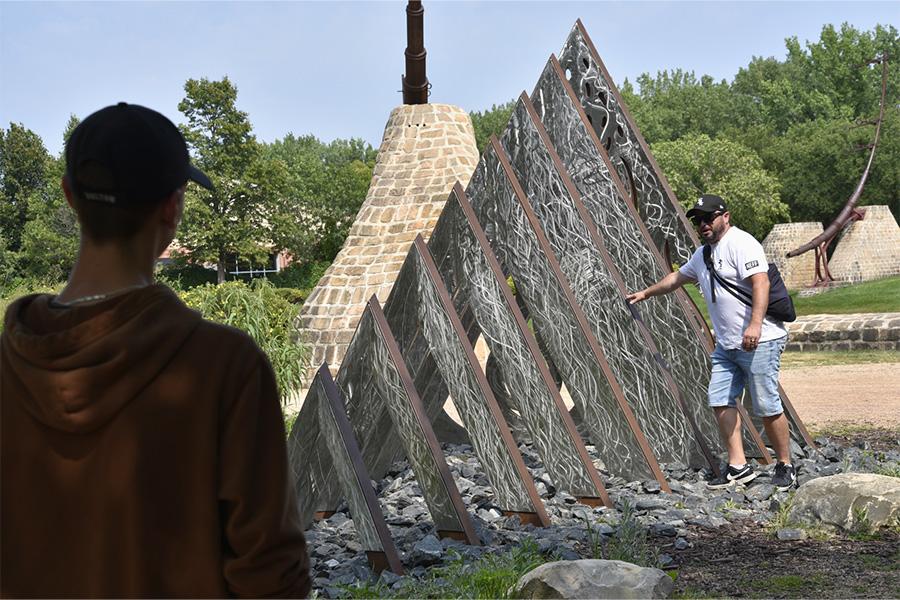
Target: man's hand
751, 337
636, 297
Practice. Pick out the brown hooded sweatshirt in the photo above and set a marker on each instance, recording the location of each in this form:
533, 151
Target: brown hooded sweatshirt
142, 454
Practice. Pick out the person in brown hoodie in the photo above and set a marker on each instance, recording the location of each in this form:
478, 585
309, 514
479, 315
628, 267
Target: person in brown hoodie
143, 449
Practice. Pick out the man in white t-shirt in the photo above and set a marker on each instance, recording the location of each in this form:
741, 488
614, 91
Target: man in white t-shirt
748, 343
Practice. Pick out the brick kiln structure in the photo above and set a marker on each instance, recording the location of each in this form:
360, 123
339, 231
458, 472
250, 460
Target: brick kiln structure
869, 249
798, 272
426, 149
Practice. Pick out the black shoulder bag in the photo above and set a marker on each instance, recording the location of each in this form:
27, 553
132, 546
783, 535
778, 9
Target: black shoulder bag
781, 307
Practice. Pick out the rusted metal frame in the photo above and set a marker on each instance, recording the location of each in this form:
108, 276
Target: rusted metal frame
532, 345
388, 557
599, 244
580, 317
540, 516
640, 138
691, 308
418, 409
846, 213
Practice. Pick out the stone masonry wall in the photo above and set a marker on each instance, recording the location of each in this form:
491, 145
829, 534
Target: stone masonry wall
426, 149
869, 249
800, 271
873, 331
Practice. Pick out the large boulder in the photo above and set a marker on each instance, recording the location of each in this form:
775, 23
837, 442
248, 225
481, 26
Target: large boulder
593, 579
843, 500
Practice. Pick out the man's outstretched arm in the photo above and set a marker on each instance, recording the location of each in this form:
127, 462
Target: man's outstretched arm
667, 284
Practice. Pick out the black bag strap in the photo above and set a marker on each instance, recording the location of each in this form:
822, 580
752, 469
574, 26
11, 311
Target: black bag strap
735, 291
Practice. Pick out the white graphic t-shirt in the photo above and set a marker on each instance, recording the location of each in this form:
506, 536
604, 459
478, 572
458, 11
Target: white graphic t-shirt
735, 257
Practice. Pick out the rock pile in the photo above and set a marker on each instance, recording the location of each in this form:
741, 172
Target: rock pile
577, 530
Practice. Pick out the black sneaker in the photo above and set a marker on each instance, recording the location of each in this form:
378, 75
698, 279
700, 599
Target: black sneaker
731, 476
785, 477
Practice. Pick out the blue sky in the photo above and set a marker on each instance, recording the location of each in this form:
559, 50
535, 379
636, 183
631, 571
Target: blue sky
333, 68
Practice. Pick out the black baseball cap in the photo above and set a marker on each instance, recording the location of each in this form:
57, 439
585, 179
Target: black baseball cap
708, 203
128, 154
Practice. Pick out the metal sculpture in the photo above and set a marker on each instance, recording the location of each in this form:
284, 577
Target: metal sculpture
849, 213
324, 416
476, 283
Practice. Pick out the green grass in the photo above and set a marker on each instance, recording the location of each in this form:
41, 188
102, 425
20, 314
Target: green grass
491, 576
793, 360
787, 584
878, 296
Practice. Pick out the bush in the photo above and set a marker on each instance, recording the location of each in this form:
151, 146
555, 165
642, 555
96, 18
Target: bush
185, 277
265, 315
303, 276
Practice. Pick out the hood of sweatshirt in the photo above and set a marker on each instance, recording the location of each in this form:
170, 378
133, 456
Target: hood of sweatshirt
77, 367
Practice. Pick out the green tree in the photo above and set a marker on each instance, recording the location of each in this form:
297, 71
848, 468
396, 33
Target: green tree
491, 122
820, 162
50, 235
238, 216
23, 171
327, 184
674, 104
697, 164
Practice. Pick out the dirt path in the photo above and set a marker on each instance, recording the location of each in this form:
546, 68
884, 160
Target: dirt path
861, 394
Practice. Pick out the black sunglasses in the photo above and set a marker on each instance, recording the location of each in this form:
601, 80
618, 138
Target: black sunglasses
709, 218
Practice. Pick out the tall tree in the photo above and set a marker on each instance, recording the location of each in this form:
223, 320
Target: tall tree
327, 184
237, 216
697, 164
23, 170
50, 236
677, 103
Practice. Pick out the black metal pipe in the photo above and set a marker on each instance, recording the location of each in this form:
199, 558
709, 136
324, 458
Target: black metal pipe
415, 82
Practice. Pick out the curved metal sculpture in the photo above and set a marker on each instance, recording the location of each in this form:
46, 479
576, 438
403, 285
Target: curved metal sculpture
849, 213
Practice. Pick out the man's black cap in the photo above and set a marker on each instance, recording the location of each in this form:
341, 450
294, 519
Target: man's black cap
708, 203
128, 154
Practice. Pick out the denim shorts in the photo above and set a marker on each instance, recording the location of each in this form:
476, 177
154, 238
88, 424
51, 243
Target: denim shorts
758, 370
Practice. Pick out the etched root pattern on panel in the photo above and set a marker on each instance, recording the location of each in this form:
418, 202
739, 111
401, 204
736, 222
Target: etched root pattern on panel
469, 397
309, 464
362, 514
474, 284
629, 247
592, 282
385, 388
516, 246
634, 166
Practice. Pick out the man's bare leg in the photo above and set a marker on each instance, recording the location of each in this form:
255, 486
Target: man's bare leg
729, 422
777, 430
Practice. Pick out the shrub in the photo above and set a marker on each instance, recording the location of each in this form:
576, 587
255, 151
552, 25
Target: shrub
267, 317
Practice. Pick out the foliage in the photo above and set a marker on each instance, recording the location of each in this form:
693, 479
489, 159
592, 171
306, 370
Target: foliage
241, 214
23, 166
490, 122
326, 185
267, 317
491, 576
697, 164
50, 236
23, 288
629, 543
802, 115
672, 105
185, 277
